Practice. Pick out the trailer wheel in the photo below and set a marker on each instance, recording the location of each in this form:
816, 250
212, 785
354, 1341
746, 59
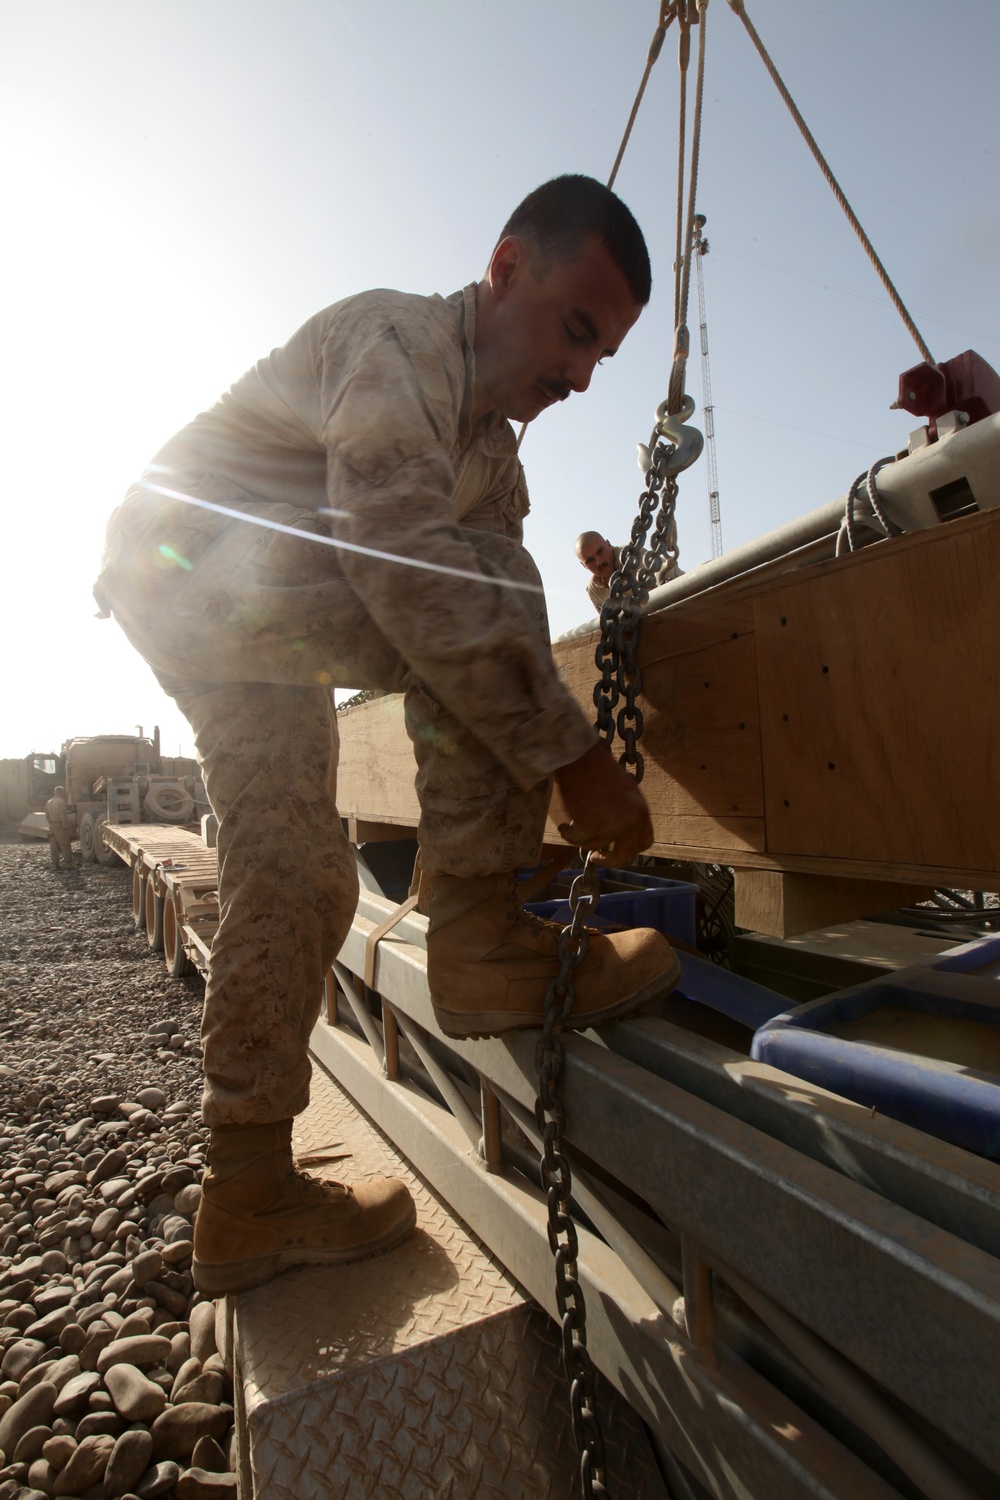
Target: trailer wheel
177, 962
87, 840
154, 917
139, 897
102, 853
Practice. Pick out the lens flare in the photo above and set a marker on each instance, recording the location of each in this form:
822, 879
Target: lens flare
174, 557
330, 541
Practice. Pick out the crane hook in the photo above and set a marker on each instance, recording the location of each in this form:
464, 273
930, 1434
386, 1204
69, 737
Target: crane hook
688, 442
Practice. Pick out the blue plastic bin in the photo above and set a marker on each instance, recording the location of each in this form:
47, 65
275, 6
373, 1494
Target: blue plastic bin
730, 994
652, 901
958, 1101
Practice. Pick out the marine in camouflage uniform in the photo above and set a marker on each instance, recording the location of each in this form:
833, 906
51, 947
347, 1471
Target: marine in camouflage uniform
60, 838
350, 514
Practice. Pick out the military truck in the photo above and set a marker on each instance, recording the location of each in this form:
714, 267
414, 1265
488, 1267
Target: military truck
116, 778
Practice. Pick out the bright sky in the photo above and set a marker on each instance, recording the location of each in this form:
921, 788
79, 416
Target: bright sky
185, 181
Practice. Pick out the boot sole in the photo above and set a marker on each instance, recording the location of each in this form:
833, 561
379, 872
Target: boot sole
242, 1275
476, 1026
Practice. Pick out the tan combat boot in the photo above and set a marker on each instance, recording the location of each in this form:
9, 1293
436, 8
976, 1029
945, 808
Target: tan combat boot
258, 1215
489, 962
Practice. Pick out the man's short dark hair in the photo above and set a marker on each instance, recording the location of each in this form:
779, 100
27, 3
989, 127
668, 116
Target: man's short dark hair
556, 218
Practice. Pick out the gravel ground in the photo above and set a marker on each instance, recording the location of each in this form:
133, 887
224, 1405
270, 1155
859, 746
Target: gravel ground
110, 1381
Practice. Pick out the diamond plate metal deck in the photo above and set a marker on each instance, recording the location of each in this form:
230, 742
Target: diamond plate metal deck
423, 1372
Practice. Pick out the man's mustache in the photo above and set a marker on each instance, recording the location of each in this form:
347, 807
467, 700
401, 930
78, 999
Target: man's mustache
555, 388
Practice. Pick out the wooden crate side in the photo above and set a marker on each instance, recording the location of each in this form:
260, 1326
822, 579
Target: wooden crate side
880, 709
701, 739
783, 904
376, 770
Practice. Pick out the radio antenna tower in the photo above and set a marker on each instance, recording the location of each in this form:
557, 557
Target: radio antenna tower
699, 248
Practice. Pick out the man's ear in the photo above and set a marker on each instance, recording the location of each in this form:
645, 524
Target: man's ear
505, 264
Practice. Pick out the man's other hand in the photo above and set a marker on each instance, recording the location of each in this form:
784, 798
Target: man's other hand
606, 808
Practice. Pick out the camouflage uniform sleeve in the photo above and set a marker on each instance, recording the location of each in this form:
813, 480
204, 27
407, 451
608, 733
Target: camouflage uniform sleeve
390, 426
597, 592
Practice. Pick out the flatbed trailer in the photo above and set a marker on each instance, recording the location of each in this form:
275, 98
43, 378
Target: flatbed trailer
788, 1294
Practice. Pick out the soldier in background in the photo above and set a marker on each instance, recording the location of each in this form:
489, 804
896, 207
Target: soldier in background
60, 838
602, 560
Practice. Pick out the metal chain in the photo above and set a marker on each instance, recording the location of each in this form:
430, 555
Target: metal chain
673, 447
558, 1185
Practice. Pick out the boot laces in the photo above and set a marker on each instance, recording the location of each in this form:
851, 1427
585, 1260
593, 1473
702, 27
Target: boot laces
521, 917
316, 1189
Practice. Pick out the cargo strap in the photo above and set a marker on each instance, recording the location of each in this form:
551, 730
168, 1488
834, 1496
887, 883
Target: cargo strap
378, 933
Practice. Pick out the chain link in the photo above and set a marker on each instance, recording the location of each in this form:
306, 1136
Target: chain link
557, 1184
673, 447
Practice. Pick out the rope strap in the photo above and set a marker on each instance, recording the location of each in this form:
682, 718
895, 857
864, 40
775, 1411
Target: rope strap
378, 933
739, 7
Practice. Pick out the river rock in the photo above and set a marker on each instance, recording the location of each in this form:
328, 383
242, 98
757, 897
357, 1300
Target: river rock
100, 1339
151, 1097
105, 1224
29, 1447
36, 1374
99, 1421
136, 1325
177, 1429
51, 1326
110, 1165
129, 1461
86, 1466
114, 1190
42, 1476
76, 1393
29, 1270
157, 1480
168, 1297
105, 1104
52, 1298
187, 1200
204, 1484
189, 1370
72, 1338
63, 1371
202, 1324
32, 1410
178, 1252
20, 1357
175, 1228
209, 1387
58, 1450
142, 1350
180, 1352
208, 1455
136, 1398
146, 1265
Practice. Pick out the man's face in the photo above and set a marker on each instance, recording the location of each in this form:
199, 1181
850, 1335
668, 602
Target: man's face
546, 336
598, 558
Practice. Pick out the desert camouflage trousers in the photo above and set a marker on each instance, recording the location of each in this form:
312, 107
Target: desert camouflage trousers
60, 843
249, 630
